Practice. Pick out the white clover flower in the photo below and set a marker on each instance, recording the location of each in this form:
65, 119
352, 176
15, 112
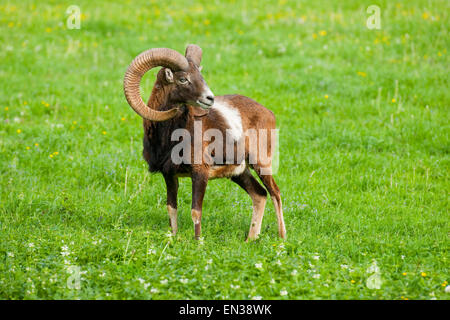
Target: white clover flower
31, 245
374, 281
447, 289
154, 290
278, 262
294, 273
272, 281
235, 286
373, 268
102, 274
283, 293
256, 298
258, 265
344, 266
151, 251
316, 257
184, 280
164, 281
316, 276
11, 254
209, 261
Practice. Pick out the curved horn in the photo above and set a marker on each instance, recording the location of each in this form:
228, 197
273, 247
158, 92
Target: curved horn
194, 53
157, 57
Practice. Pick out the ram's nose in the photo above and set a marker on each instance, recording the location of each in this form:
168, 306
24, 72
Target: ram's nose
210, 99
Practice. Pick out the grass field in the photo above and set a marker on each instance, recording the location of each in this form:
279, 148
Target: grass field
364, 152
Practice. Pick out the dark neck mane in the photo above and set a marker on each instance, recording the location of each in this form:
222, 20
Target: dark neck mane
157, 135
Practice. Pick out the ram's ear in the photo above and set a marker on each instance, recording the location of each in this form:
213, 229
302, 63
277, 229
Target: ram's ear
168, 74
194, 54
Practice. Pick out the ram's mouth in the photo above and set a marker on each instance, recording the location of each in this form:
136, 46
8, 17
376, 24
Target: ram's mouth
204, 104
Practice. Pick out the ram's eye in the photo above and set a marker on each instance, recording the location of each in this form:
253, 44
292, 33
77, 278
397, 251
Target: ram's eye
183, 80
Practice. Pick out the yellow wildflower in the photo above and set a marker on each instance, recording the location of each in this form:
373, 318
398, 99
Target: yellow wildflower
423, 274
322, 33
19, 131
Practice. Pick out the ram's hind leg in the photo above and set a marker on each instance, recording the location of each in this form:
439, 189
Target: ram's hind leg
274, 192
258, 194
172, 192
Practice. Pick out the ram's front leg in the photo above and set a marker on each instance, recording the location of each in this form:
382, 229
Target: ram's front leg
199, 182
172, 192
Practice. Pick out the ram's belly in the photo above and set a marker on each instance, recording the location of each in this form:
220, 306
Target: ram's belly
226, 171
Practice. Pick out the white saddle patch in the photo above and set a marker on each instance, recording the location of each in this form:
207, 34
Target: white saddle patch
232, 118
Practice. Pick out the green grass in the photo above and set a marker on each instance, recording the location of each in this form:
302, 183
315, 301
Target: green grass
364, 123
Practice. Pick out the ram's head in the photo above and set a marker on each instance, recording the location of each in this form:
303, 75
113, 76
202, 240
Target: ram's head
181, 78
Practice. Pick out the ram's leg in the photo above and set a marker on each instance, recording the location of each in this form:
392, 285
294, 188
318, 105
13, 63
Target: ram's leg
258, 194
275, 194
172, 192
199, 182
